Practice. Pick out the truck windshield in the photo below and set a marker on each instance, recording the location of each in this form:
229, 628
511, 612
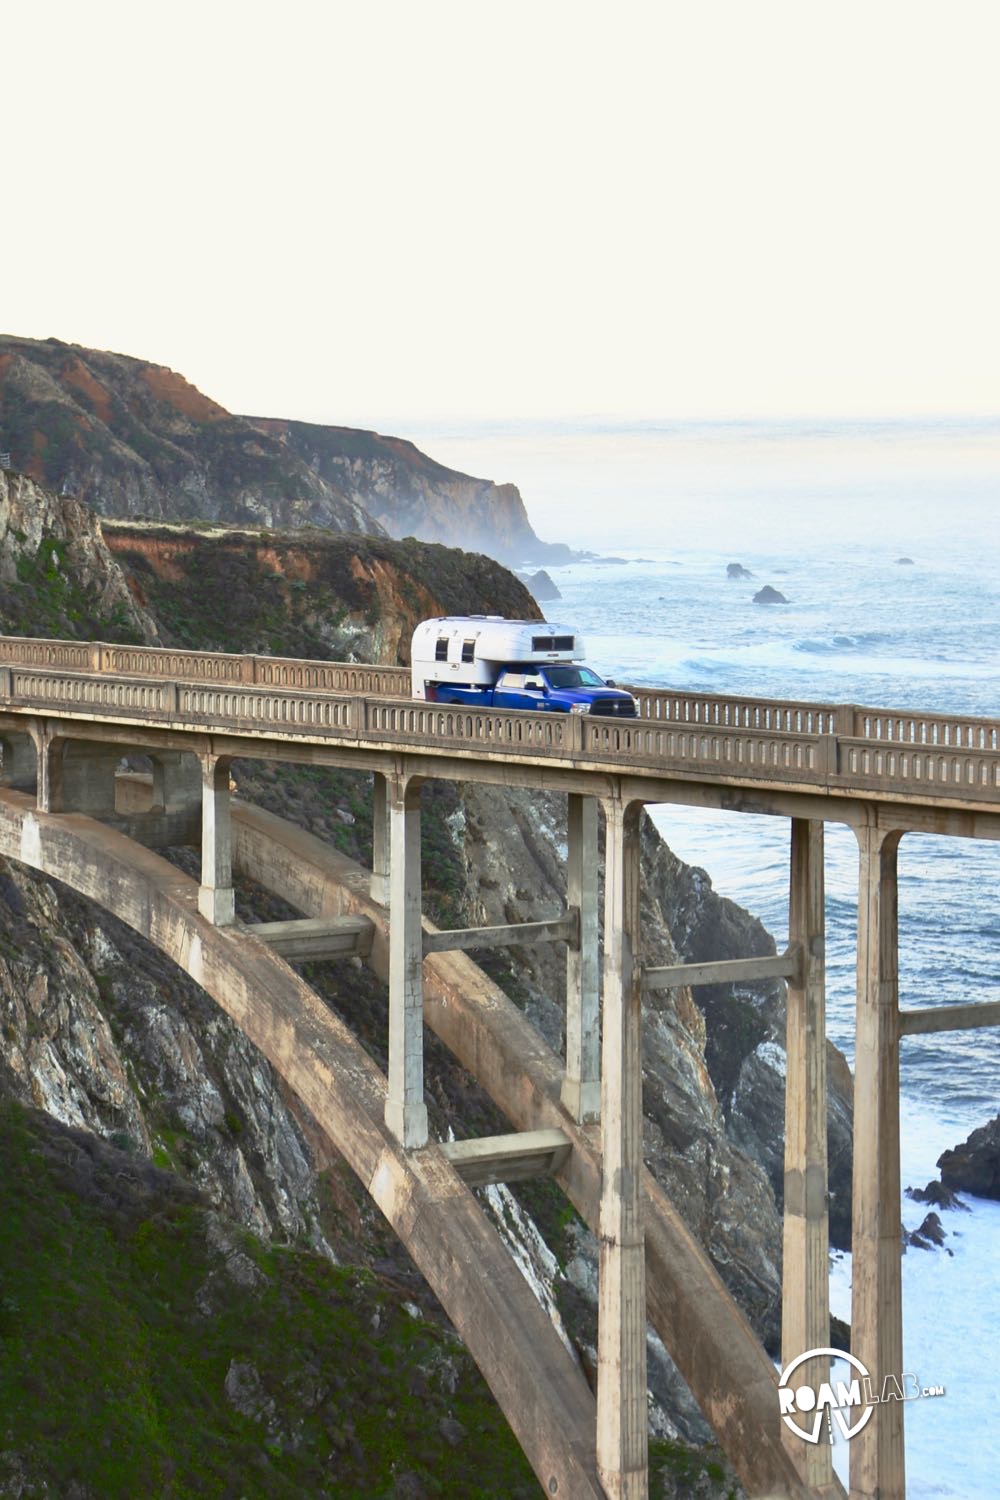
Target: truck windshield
572, 677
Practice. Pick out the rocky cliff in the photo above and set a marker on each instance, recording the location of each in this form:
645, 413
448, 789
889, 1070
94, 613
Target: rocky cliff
412, 495
131, 438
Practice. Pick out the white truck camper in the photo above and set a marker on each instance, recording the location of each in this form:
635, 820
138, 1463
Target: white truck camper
486, 661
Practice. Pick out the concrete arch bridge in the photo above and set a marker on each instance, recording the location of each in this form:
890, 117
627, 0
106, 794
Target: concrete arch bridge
70, 711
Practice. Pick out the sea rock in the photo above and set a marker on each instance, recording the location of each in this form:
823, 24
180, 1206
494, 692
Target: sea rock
769, 595
737, 570
904, 562
929, 1236
936, 1194
974, 1166
541, 585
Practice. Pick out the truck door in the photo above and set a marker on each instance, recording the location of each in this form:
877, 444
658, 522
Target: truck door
523, 689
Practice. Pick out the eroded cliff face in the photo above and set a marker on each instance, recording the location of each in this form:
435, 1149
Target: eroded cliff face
410, 494
57, 578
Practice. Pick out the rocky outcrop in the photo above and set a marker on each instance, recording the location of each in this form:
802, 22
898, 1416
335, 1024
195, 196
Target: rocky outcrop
541, 586
974, 1166
769, 595
56, 575
737, 570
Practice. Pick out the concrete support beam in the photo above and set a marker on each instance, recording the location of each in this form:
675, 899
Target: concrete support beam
805, 1304
622, 1450
876, 1454
310, 938
176, 781
949, 1018
18, 765
516, 935
380, 839
581, 1088
216, 899
785, 965
508, 1158
405, 1110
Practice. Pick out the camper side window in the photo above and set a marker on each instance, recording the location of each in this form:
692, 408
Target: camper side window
441, 649
469, 650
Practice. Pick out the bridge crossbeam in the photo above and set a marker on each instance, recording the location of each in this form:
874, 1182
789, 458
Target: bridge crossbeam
508, 1158
310, 938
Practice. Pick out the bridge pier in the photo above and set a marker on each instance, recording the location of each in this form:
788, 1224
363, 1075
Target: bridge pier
876, 1454
581, 1087
805, 1302
622, 1450
381, 844
216, 899
405, 1110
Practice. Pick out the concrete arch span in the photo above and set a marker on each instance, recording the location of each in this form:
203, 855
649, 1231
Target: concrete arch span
542, 1392
726, 1368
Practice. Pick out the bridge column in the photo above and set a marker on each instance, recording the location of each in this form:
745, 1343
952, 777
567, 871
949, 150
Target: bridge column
581, 1087
805, 1304
216, 899
876, 1454
622, 1453
19, 764
405, 1110
380, 839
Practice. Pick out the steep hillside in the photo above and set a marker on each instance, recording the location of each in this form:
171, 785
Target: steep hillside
131, 438
311, 593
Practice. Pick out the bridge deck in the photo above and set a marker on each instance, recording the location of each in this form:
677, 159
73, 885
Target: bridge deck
351, 714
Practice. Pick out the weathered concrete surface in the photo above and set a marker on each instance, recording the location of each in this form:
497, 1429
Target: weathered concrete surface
725, 1367
542, 1392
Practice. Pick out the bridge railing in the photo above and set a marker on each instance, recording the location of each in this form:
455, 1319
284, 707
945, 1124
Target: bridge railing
933, 756
204, 666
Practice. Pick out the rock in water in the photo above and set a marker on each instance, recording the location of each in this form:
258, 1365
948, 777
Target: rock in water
541, 585
904, 562
930, 1234
768, 595
974, 1166
737, 570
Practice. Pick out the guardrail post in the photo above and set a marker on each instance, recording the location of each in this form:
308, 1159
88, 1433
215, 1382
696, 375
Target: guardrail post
248, 669
805, 1285
216, 899
622, 1452
405, 1110
581, 1087
876, 1453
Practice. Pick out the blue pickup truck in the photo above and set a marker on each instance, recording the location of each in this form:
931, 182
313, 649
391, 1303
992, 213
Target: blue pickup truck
486, 661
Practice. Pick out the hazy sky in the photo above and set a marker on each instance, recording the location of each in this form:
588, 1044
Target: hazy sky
353, 212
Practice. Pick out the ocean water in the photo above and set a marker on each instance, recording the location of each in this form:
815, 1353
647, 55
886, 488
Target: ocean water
822, 512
